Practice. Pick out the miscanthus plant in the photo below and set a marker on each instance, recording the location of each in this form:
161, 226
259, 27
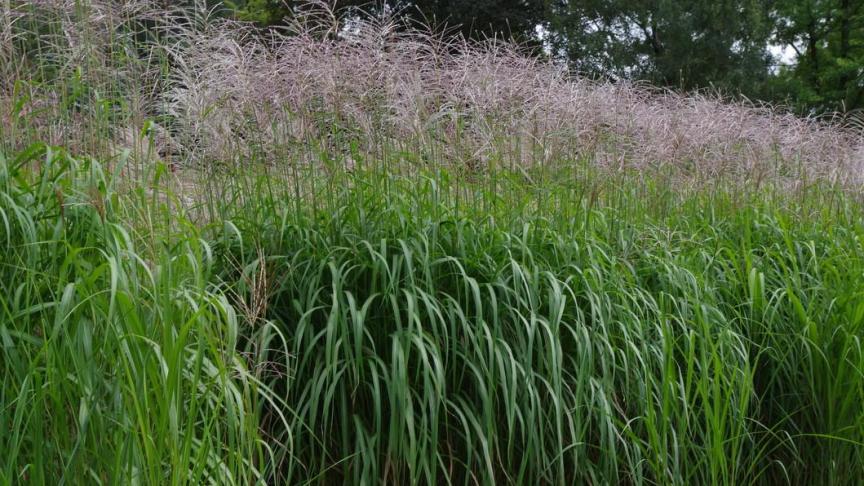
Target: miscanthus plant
120, 361
426, 328
379, 255
173, 81
631, 335
366, 80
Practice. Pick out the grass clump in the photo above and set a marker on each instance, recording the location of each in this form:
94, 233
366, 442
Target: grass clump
426, 329
435, 339
120, 361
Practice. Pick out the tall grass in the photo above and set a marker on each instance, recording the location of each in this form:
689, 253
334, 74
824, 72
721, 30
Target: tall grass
372, 80
101, 76
122, 362
426, 328
711, 341
356, 252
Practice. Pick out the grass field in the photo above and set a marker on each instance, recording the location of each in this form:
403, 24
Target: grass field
366, 303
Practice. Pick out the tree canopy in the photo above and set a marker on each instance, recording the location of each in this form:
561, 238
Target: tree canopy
683, 43
827, 37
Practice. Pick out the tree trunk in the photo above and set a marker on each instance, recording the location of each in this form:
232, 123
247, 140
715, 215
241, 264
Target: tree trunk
845, 26
812, 50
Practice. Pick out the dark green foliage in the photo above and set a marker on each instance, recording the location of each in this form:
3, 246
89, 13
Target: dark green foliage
485, 18
828, 37
262, 12
478, 19
686, 44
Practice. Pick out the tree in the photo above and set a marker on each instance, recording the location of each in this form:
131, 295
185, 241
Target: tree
827, 37
681, 43
479, 19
